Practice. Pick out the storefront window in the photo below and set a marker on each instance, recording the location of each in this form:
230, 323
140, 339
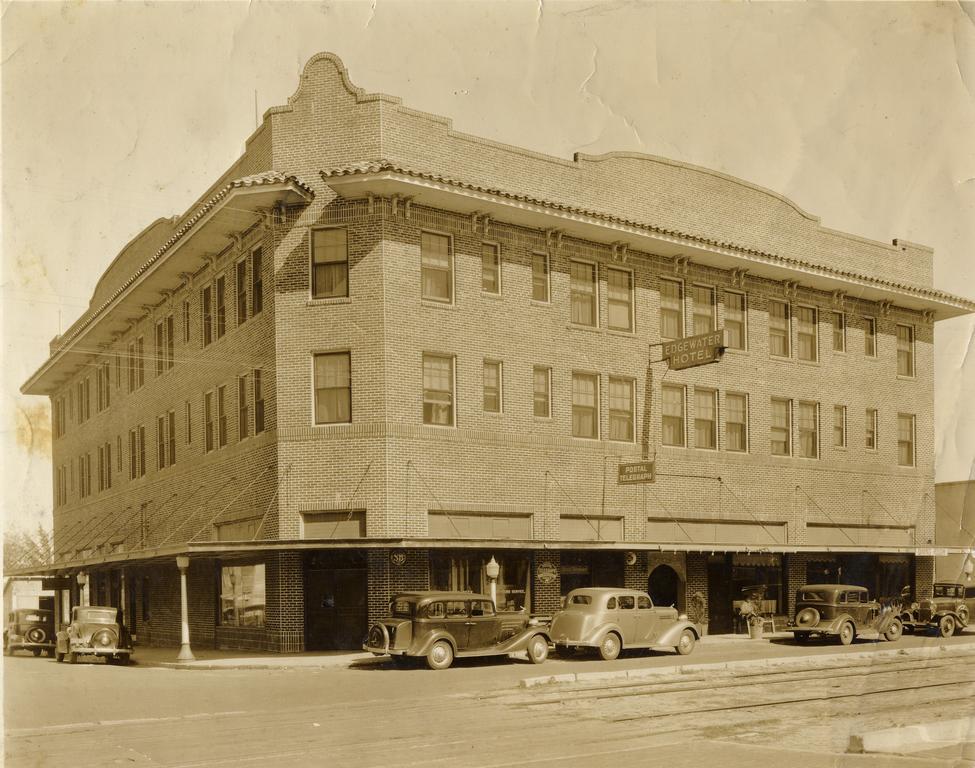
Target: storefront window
758, 577
242, 595
465, 573
590, 569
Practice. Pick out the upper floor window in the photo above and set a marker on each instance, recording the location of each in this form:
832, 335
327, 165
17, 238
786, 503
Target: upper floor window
672, 415
164, 344
104, 386
870, 336
209, 425
583, 293
671, 309
137, 452
84, 400
870, 434
492, 386
258, 401
905, 440
105, 467
220, 306
437, 269
330, 263
781, 427
243, 408
839, 332
905, 350
240, 284
221, 416
705, 418
736, 422
703, 309
491, 268
257, 281
166, 440
809, 430
807, 333
839, 426
735, 320
540, 277
438, 390
779, 329
542, 391
621, 409
57, 416
585, 405
333, 388
619, 299
206, 310
186, 322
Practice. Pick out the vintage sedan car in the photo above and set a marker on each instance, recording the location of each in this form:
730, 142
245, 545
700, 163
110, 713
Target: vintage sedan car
610, 619
843, 611
95, 630
442, 626
946, 612
29, 629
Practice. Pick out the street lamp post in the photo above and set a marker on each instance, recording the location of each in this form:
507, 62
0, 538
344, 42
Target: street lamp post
185, 653
493, 570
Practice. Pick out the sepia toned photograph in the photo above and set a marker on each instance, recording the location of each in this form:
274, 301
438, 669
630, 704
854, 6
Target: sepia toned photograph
488, 384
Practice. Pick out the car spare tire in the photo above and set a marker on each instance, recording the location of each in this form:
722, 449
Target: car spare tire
36, 635
378, 637
807, 617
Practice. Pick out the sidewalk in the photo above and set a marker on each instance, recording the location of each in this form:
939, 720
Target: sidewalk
209, 658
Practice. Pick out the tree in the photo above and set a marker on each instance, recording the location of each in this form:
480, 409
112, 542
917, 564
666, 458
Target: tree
25, 550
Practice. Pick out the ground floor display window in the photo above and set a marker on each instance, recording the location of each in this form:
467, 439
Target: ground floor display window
466, 573
242, 595
759, 577
591, 569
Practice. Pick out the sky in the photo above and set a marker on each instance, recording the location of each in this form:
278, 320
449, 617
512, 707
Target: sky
114, 114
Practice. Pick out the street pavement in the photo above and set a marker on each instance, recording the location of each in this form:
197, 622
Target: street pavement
233, 708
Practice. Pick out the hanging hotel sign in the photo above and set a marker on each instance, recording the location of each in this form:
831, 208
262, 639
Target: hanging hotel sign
694, 350
639, 472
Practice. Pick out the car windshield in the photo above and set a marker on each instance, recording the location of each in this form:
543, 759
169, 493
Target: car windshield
100, 615
34, 615
402, 608
945, 590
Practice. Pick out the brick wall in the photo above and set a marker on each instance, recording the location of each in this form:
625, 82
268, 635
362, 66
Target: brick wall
546, 595
697, 577
923, 577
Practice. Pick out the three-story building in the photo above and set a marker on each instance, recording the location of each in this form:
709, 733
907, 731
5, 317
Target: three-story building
378, 353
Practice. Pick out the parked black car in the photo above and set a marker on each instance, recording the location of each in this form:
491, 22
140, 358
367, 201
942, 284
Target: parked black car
29, 629
946, 612
843, 611
95, 631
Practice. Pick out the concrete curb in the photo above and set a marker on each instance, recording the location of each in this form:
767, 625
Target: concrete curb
749, 664
911, 738
312, 663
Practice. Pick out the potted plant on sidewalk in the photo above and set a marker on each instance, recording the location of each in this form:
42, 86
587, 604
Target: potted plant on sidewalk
750, 612
697, 612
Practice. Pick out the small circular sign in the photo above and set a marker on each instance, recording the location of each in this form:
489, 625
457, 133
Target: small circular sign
545, 572
397, 558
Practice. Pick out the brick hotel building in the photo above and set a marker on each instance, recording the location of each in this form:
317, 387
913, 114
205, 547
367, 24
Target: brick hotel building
379, 352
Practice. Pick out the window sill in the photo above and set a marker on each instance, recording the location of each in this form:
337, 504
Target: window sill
492, 295
902, 377
588, 328
809, 363
539, 303
324, 302
621, 333
737, 351
434, 304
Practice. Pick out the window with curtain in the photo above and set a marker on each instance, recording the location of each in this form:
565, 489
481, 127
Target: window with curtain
808, 423
333, 388
702, 299
905, 440
734, 320
542, 391
705, 418
905, 350
621, 409
585, 405
781, 427
540, 278
672, 415
491, 268
492, 386
583, 293
330, 263
807, 333
736, 422
436, 267
619, 299
839, 426
438, 390
779, 333
671, 309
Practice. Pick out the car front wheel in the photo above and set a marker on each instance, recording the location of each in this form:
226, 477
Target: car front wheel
441, 655
686, 642
537, 649
946, 627
894, 631
846, 633
610, 647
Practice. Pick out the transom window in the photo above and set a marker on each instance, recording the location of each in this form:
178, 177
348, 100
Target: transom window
333, 388
585, 405
438, 390
330, 263
436, 267
583, 290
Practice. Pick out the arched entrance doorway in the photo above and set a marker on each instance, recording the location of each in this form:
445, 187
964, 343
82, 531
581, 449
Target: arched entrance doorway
664, 586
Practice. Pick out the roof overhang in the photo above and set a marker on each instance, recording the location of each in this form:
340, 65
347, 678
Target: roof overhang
232, 549
236, 209
601, 228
